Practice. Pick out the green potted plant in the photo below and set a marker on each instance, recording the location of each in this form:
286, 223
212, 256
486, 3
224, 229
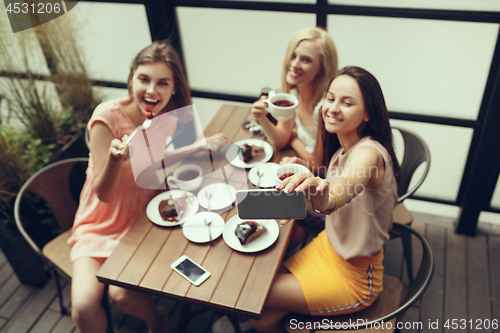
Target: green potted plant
42, 121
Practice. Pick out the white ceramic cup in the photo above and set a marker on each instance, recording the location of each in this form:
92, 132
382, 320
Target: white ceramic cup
281, 113
291, 169
187, 177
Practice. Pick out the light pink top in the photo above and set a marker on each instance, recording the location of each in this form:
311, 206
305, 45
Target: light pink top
98, 225
361, 227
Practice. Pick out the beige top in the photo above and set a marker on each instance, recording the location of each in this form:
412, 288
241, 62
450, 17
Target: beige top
361, 227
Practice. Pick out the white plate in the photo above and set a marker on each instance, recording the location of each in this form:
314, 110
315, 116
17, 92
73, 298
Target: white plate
196, 231
263, 242
223, 195
153, 211
232, 155
268, 178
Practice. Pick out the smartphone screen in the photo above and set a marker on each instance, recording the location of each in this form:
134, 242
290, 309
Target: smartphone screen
270, 204
190, 270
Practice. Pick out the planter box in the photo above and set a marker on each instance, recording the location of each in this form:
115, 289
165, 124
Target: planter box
27, 265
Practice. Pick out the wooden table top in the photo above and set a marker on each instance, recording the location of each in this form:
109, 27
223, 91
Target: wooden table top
239, 283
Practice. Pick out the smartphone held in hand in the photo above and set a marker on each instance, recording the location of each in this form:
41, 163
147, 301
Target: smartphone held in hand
270, 204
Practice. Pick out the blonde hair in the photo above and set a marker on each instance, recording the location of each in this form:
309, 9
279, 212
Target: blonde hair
329, 60
164, 52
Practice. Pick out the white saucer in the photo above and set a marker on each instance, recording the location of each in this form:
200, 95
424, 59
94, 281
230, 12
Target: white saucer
153, 211
223, 195
196, 231
263, 242
232, 154
268, 178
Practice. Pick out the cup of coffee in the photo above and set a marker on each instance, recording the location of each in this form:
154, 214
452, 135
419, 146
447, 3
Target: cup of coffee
281, 106
187, 177
287, 170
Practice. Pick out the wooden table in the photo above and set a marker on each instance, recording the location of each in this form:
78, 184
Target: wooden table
239, 282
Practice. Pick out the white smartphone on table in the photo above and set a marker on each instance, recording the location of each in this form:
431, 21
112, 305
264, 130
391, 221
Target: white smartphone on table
270, 204
190, 270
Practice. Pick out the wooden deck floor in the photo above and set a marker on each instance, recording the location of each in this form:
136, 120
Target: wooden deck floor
465, 288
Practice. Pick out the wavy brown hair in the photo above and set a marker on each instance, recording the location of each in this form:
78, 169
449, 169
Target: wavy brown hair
378, 127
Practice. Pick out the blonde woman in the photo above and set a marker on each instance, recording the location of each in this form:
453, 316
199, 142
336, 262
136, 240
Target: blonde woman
310, 63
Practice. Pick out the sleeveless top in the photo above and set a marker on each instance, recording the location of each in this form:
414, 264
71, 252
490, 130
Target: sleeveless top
307, 134
99, 226
361, 227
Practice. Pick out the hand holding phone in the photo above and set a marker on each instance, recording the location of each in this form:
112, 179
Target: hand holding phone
270, 204
190, 270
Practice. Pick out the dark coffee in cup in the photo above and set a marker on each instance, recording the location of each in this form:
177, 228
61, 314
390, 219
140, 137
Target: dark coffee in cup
188, 175
283, 103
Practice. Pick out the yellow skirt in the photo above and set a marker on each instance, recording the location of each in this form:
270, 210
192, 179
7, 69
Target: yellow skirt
332, 285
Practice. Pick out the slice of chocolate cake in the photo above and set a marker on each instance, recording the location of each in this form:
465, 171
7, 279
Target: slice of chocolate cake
250, 153
168, 211
249, 231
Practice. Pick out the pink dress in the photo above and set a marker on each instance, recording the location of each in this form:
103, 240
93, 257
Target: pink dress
99, 226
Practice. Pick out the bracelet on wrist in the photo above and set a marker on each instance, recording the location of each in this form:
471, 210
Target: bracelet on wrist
329, 211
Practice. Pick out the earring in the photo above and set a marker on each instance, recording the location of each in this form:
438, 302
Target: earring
174, 93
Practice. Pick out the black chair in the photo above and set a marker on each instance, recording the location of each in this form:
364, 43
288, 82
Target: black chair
415, 154
389, 306
59, 184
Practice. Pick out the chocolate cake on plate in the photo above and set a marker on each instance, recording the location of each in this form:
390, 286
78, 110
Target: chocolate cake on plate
248, 231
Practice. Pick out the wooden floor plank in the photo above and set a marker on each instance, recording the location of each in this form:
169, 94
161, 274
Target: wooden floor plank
478, 287
16, 300
3, 322
65, 325
3, 259
6, 272
34, 308
412, 321
455, 281
432, 300
494, 264
46, 322
10, 286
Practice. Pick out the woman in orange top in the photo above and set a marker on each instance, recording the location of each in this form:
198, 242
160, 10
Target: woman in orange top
110, 200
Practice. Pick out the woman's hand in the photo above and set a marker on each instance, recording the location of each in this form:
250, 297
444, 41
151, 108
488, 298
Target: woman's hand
219, 137
295, 159
259, 108
119, 150
316, 190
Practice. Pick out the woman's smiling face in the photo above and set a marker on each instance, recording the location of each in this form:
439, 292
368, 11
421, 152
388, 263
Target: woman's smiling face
344, 108
304, 64
152, 87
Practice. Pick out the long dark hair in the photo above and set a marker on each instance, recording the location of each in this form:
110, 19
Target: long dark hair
164, 52
377, 127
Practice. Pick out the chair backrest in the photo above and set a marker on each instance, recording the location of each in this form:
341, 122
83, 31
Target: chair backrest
416, 152
59, 184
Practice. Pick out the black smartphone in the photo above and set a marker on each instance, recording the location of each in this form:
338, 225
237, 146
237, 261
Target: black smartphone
262, 204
